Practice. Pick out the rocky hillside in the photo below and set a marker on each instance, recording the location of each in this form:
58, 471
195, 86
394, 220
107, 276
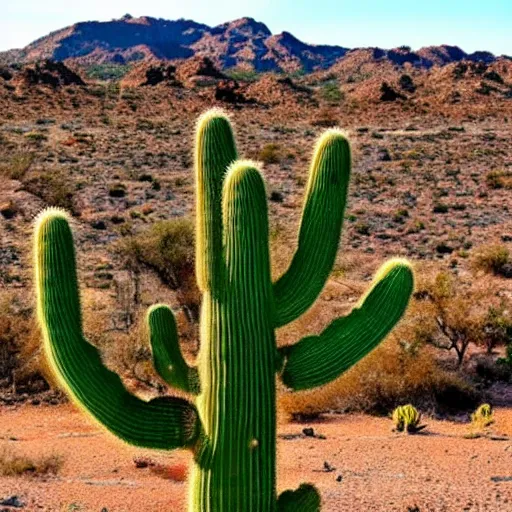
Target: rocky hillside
244, 43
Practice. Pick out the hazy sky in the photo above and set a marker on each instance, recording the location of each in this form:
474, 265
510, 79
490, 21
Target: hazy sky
470, 24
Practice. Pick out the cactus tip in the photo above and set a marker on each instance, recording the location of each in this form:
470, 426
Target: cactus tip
50, 213
331, 135
209, 115
240, 169
393, 263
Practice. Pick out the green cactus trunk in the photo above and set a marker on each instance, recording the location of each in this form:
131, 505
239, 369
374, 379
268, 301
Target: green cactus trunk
237, 360
239, 472
228, 420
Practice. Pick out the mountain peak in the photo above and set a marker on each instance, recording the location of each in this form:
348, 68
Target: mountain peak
247, 26
241, 43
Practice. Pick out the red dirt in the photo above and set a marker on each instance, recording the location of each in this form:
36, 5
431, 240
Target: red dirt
440, 471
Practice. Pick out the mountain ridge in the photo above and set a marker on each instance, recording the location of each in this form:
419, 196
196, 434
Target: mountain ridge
242, 43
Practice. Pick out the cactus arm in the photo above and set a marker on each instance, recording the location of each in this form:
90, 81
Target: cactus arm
215, 150
167, 357
162, 423
317, 360
304, 499
320, 230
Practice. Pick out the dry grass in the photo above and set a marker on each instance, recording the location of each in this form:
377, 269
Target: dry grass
491, 259
54, 188
17, 166
15, 464
499, 179
409, 367
388, 377
168, 248
270, 154
21, 362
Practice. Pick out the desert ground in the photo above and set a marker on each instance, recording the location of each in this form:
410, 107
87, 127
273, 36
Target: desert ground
360, 465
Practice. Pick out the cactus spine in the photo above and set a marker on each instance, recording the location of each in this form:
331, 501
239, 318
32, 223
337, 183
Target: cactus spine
228, 420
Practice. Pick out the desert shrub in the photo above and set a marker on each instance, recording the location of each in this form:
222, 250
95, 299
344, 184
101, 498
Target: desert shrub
14, 464
17, 166
391, 375
276, 196
450, 315
270, 154
127, 353
482, 417
494, 76
406, 83
499, 179
243, 75
407, 419
332, 93
118, 190
485, 89
167, 248
53, 188
21, 364
388, 93
36, 136
444, 248
146, 177
492, 259
415, 227
362, 228
401, 215
8, 210
497, 326
440, 208
107, 72
505, 363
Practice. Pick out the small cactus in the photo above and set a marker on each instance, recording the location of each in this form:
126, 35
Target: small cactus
483, 417
407, 419
226, 414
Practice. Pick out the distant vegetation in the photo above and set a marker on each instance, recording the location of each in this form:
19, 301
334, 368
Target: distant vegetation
332, 93
243, 75
106, 72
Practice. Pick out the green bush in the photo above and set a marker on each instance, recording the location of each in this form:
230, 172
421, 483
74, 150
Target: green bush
332, 93
107, 72
243, 75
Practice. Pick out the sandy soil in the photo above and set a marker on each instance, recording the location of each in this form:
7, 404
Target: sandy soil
380, 471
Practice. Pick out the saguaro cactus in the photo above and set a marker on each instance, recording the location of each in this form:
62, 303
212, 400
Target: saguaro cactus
229, 419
